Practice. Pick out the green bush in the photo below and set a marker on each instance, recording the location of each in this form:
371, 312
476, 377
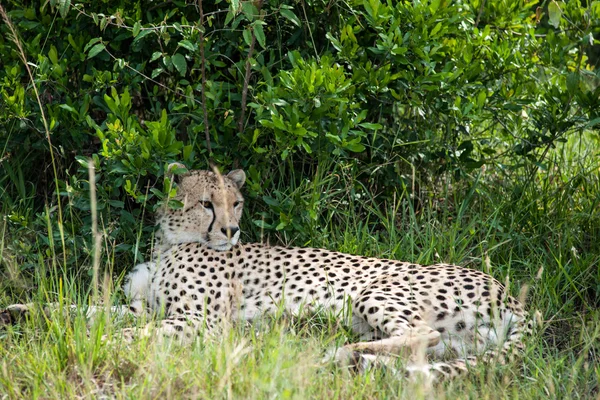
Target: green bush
367, 99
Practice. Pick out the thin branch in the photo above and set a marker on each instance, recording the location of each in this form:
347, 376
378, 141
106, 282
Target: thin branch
95, 234
258, 5
310, 31
158, 27
481, 8
203, 73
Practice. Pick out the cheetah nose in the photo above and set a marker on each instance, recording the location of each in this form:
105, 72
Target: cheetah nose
230, 231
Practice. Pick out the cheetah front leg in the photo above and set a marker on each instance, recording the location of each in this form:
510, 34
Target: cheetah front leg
17, 312
182, 328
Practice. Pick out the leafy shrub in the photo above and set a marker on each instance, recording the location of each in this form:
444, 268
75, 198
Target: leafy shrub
364, 98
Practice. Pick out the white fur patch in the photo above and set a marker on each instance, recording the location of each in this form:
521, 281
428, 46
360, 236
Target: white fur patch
137, 284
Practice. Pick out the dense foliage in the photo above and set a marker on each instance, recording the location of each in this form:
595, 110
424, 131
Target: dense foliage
324, 104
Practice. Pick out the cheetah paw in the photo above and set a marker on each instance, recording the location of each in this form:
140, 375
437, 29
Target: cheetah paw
420, 373
13, 313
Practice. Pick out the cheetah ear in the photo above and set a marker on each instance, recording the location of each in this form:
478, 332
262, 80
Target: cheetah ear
238, 177
173, 168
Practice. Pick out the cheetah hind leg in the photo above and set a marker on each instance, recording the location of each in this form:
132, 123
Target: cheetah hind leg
391, 314
182, 328
402, 338
411, 339
384, 353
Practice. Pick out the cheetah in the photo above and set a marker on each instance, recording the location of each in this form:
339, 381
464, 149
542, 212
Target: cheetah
203, 275
395, 305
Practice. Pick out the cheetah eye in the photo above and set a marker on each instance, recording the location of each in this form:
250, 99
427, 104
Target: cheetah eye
237, 203
206, 204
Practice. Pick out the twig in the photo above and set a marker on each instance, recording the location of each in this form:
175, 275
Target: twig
258, 5
203, 73
480, 13
95, 234
158, 27
310, 31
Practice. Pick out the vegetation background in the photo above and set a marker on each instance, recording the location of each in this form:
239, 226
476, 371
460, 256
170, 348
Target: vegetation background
428, 130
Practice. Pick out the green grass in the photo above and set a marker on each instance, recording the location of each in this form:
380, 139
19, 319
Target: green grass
540, 229
279, 360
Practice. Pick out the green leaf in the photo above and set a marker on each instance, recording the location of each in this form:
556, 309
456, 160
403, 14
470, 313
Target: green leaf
481, 98
554, 14
436, 29
116, 203
249, 10
434, 5
294, 57
333, 139
260, 34
572, 82
142, 34
72, 42
272, 202
368, 125
83, 161
95, 50
588, 40
247, 36
186, 44
91, 42
594, 122
289, 14
137, 27
156, 72
229, 17
262, 224
180, 64
334, 42
355, 146
68, 108
155, 56
64, 7
53, 55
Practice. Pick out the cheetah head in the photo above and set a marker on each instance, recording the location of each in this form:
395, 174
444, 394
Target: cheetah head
212, 208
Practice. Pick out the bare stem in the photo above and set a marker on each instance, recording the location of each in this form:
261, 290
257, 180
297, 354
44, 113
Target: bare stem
480, 13
95, 234
203, 73
258, 5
